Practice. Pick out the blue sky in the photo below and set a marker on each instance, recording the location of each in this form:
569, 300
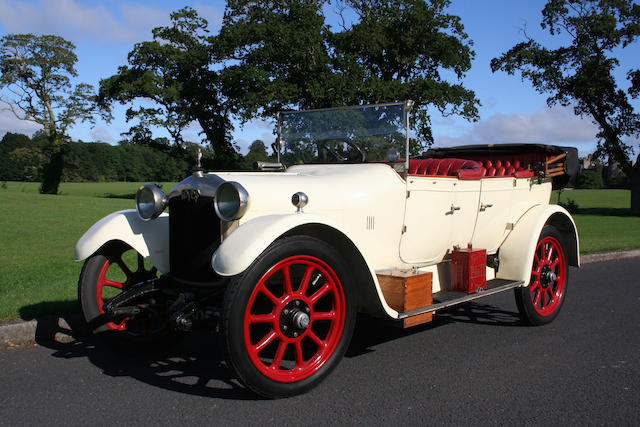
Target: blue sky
104, 32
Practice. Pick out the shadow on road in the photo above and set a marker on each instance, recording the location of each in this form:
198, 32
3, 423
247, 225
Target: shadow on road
195, 364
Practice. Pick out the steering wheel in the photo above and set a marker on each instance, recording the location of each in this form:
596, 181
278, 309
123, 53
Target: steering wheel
341, 159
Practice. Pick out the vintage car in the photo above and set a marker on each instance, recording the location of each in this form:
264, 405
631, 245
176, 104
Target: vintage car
344, 220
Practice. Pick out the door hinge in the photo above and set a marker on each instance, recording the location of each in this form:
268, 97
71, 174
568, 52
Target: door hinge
404, 229
408, 194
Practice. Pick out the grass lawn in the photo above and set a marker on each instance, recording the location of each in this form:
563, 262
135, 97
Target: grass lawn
39, 233
603, 219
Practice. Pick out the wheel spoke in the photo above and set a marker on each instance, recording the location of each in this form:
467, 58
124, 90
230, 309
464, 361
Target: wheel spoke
328, 315
550, 253
112, 284
140, 263
287, 281
319, 293
277, 359
265, 341
124, 267
261, 318
298, 352
537, 298
315, 339
305, 280
266, 292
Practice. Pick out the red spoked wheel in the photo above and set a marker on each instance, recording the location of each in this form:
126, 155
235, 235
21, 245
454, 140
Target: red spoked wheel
289, 318
105, 275
540, 302
296, 310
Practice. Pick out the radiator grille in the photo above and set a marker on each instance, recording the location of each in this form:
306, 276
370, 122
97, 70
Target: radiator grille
194, 233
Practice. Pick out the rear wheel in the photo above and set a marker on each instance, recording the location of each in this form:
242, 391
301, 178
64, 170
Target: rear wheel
540, 302
289, 318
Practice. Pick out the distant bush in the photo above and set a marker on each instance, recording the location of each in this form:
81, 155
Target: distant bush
589, 180
570, 205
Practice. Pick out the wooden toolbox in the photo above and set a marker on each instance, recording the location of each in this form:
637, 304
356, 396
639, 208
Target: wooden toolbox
406, 290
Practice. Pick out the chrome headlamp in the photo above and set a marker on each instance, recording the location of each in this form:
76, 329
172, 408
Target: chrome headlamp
150, 202
231, 201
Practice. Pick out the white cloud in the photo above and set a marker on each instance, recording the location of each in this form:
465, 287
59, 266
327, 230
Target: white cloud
557, 125
75, 21
101, 134
10, 123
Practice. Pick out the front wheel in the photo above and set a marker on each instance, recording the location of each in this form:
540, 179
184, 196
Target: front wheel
289, 318
540, 302
106, 274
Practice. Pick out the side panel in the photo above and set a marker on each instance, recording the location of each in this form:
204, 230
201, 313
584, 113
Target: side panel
516, 253
428, 219
150, 239
242, 247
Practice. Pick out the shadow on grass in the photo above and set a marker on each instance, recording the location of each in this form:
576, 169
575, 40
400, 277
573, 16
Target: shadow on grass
196, 364
623, 212
119, 196
33, 311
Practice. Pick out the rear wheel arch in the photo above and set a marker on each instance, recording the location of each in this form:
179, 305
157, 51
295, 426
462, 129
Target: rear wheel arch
567, 230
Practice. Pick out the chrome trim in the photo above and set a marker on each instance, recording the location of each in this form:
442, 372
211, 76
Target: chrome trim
159, 201
206, 185
243, 198
299, 200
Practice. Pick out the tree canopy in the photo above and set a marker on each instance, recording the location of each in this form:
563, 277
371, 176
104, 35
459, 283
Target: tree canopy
282, 54
174, 72
581, 72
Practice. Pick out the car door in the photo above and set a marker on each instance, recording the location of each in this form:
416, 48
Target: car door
495, 205
439, 212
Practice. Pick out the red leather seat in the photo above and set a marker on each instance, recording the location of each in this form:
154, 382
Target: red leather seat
458, 168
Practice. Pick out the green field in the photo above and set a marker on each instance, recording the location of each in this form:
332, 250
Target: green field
39, 232
603, 219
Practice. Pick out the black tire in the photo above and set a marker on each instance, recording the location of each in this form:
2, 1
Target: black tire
116, 266
283, 340
540, 302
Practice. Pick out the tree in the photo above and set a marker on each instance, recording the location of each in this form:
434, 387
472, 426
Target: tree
36, 71
398, 50
581, 73
174, 72
285, 56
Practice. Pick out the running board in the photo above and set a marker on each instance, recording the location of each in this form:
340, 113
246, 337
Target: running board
445, 299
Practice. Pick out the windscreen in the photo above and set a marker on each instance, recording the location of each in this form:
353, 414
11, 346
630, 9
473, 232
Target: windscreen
343, 135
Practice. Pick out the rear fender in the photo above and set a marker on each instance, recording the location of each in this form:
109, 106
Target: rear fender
516, 253
149, 238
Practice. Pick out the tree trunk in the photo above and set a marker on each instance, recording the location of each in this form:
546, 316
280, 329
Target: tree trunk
635, 192
52, 171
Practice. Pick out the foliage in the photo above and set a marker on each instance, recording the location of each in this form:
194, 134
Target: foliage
283, 55
581, 73
21, 159
589, 180
36, 70
173, 71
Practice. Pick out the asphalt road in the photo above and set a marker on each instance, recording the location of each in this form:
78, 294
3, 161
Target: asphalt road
474, 365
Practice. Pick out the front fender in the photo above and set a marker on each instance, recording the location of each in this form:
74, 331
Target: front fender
516, 253
149, 238
242, 247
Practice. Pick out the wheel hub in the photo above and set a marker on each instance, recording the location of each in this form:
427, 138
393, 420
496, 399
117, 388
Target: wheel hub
547, 277
294, 318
